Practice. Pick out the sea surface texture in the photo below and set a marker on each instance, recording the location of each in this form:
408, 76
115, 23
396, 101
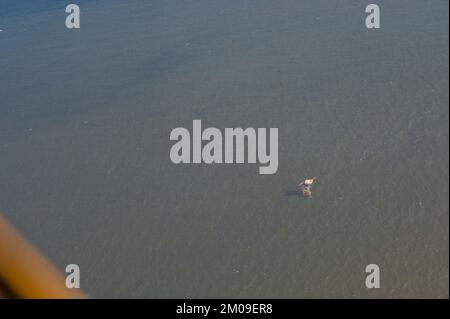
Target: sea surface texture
85, 171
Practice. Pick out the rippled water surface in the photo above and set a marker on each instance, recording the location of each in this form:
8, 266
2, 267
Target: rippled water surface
85, 118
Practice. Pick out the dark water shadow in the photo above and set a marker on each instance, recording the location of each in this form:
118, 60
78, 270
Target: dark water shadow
292, 193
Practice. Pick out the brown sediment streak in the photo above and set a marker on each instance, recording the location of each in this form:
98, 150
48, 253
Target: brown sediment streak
26, 272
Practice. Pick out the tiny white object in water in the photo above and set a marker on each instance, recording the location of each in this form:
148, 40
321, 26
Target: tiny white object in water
309, 181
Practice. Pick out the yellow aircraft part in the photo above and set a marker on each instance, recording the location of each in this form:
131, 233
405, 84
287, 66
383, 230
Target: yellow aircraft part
26, 272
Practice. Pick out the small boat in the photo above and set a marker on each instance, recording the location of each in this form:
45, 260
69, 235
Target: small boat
305, 187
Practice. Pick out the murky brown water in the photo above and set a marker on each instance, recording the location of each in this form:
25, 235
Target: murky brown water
85, 172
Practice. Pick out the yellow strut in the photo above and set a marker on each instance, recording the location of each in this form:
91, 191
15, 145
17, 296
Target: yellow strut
26, 272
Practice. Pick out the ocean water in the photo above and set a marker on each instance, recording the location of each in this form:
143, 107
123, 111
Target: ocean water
85, 172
